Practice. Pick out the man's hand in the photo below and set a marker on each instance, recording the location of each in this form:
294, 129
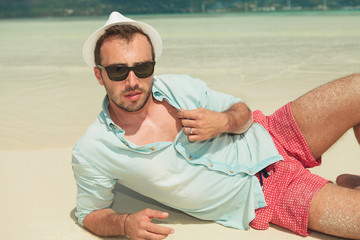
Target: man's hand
139, 226
202, 124
105, 222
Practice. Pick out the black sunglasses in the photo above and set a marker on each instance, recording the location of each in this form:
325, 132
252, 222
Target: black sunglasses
121, 72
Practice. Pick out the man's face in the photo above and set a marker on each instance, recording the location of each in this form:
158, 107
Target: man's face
132, 93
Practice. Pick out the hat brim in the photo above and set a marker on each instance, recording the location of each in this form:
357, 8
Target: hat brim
89, 45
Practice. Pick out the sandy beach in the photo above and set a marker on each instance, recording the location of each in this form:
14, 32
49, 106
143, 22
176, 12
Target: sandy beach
39, 199
47, 105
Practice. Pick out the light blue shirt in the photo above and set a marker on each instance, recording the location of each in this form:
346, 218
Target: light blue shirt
211, 180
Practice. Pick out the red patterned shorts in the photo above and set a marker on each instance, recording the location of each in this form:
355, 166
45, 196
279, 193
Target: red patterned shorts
290, 187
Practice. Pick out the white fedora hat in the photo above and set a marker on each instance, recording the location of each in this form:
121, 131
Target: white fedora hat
116, 18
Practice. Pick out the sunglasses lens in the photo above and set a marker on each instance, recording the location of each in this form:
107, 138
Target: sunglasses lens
121, 72
117, 73
144, 70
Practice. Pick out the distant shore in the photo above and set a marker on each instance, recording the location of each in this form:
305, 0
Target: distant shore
339, 12
46, 10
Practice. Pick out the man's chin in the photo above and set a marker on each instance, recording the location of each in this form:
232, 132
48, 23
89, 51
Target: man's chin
132, 108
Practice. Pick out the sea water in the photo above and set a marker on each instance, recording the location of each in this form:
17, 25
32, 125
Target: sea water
49, 96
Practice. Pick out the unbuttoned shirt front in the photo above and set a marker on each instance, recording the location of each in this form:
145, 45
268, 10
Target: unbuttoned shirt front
211, 180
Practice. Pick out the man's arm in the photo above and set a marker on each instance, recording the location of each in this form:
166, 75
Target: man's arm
201, 124
239, 118
106, 222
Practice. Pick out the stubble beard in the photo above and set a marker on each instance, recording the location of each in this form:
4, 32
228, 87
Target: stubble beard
128, 107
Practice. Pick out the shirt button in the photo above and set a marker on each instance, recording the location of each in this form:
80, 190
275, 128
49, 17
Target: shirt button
231, 171
153, 148
126, 144
114, 126
191, 158
210, 165
250, 172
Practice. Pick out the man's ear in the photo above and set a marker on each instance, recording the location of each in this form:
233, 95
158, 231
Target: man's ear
98, 76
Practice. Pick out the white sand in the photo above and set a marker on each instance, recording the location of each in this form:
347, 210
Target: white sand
39, 192
38, 198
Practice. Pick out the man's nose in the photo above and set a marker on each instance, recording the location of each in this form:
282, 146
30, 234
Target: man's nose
132, 79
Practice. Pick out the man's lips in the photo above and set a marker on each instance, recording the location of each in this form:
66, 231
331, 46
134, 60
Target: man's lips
133, 95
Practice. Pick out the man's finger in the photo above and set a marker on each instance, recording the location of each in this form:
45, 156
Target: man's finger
190, 114
188, 123
158, 229
195, 138
150, 213
153, 236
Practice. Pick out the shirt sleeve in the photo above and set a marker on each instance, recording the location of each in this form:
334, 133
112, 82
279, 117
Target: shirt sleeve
218, 101
212, 99
94, 187
191, 93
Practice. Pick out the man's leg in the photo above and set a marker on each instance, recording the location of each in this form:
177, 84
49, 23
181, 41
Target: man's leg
349, 181
327, 112
323, 116
336, 211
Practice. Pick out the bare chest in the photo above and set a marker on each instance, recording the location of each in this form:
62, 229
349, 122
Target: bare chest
161, 125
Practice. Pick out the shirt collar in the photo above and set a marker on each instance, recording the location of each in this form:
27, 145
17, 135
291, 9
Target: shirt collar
106, 115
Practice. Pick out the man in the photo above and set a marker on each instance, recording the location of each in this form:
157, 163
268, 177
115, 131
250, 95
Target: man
173, 139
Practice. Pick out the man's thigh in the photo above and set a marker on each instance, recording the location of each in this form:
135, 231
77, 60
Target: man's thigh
336, 211
327, 112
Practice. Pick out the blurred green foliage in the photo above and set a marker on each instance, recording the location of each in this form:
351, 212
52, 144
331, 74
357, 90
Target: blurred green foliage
43, 8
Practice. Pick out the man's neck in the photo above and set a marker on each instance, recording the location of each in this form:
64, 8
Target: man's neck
124, 118
155, 122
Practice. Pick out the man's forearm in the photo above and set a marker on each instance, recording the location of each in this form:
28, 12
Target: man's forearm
239, 118
105, 222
